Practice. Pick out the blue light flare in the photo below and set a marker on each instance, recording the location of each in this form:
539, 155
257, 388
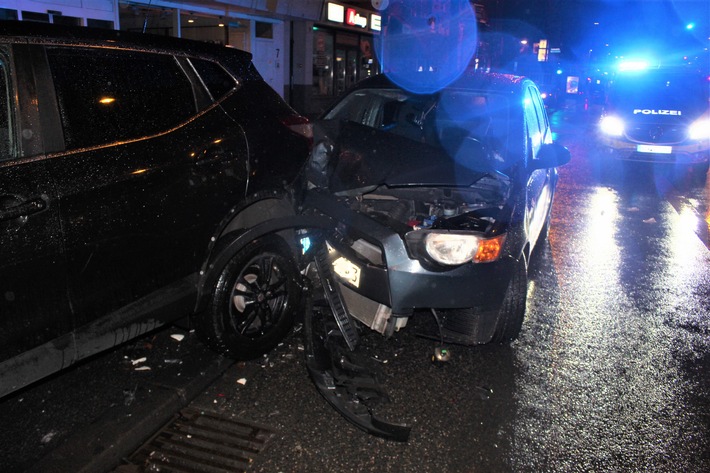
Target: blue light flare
424, 46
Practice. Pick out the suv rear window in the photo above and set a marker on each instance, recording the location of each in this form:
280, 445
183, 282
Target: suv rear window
107, 96
215, 78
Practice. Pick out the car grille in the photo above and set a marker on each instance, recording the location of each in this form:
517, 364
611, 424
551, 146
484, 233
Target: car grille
657, 134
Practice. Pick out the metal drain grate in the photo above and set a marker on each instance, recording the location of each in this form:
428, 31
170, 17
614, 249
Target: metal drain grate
198, 441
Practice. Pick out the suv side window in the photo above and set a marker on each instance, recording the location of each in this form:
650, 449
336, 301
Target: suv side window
216, 79
106, 96
6, 134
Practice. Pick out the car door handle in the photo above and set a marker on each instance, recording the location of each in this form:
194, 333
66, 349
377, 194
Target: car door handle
22, 209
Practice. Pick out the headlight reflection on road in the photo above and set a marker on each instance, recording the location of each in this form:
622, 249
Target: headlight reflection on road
600, 247
689, 220
683, 241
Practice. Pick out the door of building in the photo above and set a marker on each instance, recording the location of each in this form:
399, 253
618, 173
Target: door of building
268, 57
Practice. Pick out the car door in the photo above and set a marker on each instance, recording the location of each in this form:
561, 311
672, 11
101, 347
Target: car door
144, 182
539, 192
34, 308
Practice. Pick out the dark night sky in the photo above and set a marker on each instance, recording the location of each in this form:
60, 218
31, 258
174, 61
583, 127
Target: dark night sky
598, 29
622, 24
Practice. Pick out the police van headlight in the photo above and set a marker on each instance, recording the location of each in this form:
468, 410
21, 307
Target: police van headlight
612, 126
700, 129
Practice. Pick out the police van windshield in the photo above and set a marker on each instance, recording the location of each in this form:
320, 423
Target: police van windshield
658, 90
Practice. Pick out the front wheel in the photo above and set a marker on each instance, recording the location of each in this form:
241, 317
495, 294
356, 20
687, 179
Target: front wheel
699, 174
254, 301
512, 312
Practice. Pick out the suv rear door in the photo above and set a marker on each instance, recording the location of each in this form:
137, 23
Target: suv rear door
34, 305
146, 171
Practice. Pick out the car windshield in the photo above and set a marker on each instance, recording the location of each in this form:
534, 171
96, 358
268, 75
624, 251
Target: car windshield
445, 119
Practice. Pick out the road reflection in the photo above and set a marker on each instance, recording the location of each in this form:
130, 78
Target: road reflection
609, 362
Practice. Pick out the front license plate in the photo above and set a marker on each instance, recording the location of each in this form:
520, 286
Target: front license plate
654, 149
347, 270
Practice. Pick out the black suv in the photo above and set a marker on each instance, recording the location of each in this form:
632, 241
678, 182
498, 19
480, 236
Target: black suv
142, 180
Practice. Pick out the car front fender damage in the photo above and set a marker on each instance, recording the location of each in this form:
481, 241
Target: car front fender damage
331, 342
339, 374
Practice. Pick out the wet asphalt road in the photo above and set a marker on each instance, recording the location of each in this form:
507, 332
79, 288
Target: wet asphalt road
611, 372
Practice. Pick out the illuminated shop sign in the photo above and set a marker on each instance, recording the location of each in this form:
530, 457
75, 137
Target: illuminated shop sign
375, 22
336, 13
352, 17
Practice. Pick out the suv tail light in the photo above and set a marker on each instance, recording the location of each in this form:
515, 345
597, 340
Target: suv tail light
300, 125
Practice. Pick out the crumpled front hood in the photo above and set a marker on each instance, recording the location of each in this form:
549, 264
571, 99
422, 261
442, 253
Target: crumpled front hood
365, 157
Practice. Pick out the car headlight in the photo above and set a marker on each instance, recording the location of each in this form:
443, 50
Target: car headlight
458, 248
700, 130
612, 125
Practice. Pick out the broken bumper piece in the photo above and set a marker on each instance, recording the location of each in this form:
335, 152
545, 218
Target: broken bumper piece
332, 363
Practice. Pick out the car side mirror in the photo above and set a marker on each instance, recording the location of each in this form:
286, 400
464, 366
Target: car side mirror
551, 155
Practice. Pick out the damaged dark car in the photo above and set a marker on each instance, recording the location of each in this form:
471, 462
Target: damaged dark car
437, 202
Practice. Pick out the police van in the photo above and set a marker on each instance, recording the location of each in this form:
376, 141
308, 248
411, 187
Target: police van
658, 115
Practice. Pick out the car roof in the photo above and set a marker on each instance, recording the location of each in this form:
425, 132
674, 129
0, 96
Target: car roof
34, 32
489, 81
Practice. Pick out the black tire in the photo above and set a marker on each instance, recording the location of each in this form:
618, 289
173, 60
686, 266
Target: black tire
545, 231
542, 245
254, 302
699, 174
512, 312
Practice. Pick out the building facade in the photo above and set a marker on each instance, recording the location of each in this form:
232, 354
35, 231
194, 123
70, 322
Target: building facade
289, 40
309, 51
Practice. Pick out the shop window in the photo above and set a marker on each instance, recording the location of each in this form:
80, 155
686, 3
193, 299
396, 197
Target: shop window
66, 20
322, 63
210, 29
264, 30
158, 21
7, 14
33, 16
128, 95
105, 24
368, 61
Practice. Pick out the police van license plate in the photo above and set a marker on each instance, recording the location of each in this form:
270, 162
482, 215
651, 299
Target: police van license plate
654, 149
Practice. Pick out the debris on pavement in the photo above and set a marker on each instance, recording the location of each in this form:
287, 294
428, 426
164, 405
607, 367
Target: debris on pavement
138, 361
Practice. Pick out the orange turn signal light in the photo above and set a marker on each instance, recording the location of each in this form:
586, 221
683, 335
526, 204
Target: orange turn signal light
489, 249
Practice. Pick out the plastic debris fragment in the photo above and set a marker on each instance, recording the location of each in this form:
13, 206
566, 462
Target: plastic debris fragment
177, 336
138, 361
242, 381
